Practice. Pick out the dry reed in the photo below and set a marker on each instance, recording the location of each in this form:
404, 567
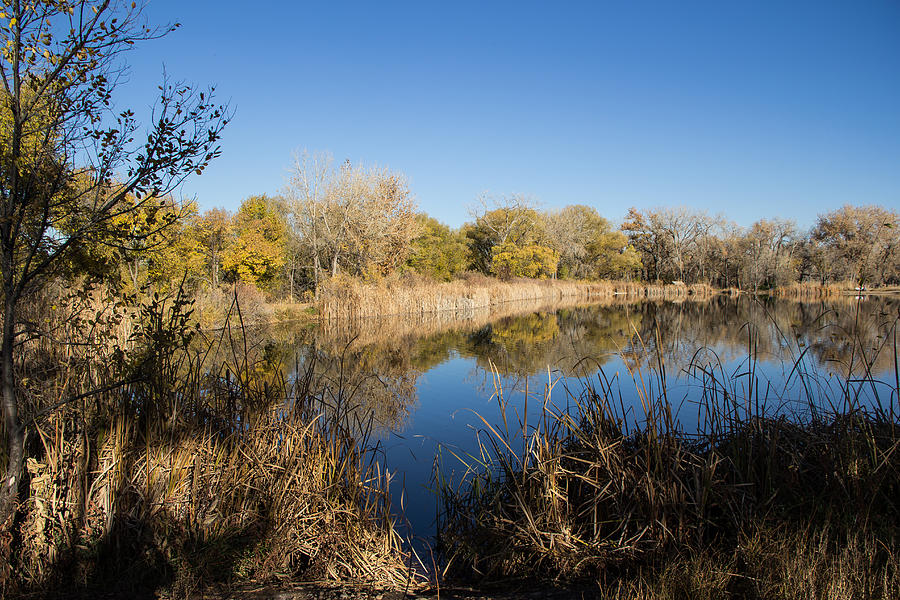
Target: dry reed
203, 466
757, 503
809, 290
348, 299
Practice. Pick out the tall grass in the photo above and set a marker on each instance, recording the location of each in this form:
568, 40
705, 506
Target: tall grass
773, 496
349, 299
809, 290
198, 461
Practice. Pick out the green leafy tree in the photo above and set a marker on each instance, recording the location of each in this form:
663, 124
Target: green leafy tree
610, 256
69, 163
437, 251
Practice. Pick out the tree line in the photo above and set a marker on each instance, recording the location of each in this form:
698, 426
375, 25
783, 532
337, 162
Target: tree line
363, 222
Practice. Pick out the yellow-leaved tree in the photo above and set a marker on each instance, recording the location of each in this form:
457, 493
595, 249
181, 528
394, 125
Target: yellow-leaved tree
70, 163
256, 252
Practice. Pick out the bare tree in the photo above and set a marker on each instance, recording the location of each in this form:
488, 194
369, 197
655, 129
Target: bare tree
307, 193
858, 243
363, 218
68, 161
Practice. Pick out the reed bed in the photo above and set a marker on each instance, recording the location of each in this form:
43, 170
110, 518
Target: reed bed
195, 464
348, 299
336, 333
809, 290
771, 496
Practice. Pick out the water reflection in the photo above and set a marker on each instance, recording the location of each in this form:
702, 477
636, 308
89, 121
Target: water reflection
381, 360
415, 383
375, 366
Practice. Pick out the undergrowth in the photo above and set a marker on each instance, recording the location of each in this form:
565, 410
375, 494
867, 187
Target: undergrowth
165, 458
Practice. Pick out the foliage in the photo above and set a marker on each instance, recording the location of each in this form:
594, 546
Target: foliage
256, 253
437, 251
861, 244
355, 218
498, 221
532, 260
70, 164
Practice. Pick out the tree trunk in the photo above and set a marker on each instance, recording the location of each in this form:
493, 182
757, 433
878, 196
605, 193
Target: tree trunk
316, 275
15, 433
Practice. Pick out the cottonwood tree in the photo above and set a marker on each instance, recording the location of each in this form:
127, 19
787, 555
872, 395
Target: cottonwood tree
213, 232
500, 221
69, 159
570, 231
671, 241
437, 251
768, 254
587, 245
858, 243
255, 254
352, 217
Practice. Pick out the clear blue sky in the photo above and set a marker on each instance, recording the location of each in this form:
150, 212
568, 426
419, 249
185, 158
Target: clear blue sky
751, 109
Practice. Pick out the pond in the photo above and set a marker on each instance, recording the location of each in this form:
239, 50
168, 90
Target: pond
424, 387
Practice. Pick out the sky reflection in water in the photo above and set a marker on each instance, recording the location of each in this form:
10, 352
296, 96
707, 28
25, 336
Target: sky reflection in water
424, 382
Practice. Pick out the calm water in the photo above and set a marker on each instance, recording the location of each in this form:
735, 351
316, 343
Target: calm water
420, 384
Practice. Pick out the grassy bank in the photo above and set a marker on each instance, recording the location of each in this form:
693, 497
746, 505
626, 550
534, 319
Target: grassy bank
180, 461
798, 502
344, 298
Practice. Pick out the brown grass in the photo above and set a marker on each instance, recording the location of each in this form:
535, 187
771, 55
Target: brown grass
348, 299
206, 466
755, 504
809, 290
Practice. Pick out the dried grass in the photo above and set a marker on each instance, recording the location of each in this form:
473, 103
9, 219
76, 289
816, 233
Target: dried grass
206, 466
349, 299
755, 504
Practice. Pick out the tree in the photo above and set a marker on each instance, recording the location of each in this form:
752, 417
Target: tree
531, 260
587, 245
610, 256
69, 162
437, 251
179, 256
671, 241
570, 231
361, 219
213, 230
499, 221
858, 243
648, 241
768, 254
256, 253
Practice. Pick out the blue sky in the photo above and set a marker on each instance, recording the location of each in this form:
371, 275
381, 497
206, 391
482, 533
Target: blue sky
751, 109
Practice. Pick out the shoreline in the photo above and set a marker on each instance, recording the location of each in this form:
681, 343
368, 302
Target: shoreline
346, 299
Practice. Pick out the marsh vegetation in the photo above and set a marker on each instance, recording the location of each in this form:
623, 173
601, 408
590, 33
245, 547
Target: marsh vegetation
161, 433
